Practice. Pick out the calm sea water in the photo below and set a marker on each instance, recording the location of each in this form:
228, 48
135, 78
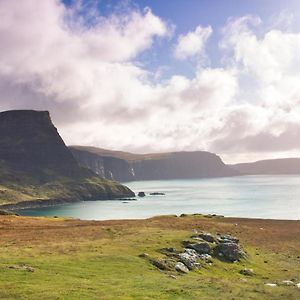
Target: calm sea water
276, 197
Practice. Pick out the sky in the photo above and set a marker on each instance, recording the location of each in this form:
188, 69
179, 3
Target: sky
154, 76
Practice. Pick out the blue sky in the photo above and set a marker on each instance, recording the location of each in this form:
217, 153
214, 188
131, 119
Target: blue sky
186, 15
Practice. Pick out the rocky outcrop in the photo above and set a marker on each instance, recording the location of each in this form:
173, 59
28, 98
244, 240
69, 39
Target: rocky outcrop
200, 252
124, 166
229, 252
36, 165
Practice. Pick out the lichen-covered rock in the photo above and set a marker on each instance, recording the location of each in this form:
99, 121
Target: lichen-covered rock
229, 252
228, 239
180, 267
200, 248
206, 257
163, 264
207, 237
190, 258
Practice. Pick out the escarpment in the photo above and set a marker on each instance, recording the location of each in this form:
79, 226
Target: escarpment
123, 166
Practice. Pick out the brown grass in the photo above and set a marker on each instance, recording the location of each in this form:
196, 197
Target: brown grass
274, 235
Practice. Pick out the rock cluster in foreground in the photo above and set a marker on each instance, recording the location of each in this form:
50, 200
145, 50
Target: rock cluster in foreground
201, 249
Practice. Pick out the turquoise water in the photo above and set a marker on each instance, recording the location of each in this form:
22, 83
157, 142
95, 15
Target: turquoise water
276, 197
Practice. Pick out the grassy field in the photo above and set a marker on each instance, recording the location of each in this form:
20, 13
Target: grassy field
53, 258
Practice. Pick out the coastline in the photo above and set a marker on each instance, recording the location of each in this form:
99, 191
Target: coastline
40, 203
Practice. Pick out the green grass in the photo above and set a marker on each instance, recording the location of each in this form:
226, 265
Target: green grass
18, 186
110, 268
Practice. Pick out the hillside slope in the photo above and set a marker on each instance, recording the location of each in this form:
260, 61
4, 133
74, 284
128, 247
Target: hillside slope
67, 259
36, 165
270, 166
123, 166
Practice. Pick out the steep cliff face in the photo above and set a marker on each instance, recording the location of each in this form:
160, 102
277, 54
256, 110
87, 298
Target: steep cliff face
29, 141
108, 167
124, 166
270, 166
36, 164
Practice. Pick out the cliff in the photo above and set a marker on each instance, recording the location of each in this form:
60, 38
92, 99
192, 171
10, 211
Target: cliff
270, 166
36, 165
124, 166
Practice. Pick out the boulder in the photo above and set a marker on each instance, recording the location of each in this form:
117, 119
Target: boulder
229, 252
169, 251
247, 272
200, 248
228, 239
207, 237
206, 257
180, 267
163, 264
189, 258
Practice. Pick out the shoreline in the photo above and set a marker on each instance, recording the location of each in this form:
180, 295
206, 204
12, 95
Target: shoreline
39, 203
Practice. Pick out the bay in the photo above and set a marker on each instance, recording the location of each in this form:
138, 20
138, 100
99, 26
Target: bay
264, 196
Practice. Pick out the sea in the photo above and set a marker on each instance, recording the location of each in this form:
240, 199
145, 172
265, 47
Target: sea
263, 196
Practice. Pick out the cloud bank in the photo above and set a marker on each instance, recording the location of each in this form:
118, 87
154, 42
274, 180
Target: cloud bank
85, 69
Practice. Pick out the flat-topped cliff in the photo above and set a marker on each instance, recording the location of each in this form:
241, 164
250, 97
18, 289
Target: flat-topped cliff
124, 166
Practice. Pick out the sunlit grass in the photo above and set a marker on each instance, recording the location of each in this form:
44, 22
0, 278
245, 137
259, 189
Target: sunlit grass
102, 262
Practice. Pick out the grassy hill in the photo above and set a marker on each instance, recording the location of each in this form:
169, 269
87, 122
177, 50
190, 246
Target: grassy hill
54, 258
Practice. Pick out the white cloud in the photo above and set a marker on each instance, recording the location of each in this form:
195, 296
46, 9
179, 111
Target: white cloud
268, 70
193, 43
86, 75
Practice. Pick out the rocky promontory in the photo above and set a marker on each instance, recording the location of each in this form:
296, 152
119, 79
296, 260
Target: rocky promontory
36, 167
